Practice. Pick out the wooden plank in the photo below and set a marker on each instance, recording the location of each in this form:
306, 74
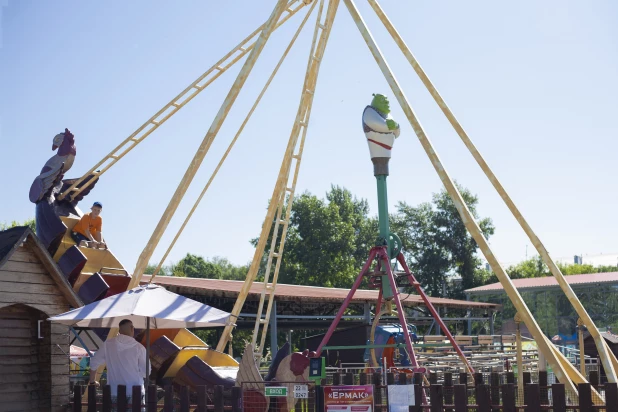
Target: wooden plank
18, 351
17, 360
19, 378
14, 397
483, 399
62, 401
61, 390
418, 399
558, 397
436, 397
59, 360
38, 278
29, 369
23, 267
533, 397
448, 383
494, 380
61, 381
611, 396
8, 332
17, 342
10, 387
21, 406
461, 398
36, 288
508, 398
54, 272
23, 254
35, 300
58, 328
585, 397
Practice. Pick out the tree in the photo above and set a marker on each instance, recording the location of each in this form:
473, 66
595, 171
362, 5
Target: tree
193, 266
327, 241
31, 223
437, 244
151, 268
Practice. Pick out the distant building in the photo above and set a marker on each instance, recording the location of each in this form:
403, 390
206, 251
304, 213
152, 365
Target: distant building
598, 292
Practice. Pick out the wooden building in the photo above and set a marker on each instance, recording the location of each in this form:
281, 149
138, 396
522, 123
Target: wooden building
34, 361
590, 348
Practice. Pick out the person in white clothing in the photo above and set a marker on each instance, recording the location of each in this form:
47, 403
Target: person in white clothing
125, 359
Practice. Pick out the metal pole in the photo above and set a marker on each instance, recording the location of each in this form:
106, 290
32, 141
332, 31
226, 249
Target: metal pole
520, 358
610, 363
469, 315
282, 179
274, 345
174, 105
145, 256
348, 299
400, 310
232, 143
491, 322
582, 351
147, 378
467, 217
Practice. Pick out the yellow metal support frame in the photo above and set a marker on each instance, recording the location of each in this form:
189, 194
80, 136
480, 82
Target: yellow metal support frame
146, 254
281, 187
233, 142
610, 363
467, 218
177, 103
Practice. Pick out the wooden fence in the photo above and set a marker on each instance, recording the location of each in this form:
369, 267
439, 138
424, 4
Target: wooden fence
172, 401
478, 395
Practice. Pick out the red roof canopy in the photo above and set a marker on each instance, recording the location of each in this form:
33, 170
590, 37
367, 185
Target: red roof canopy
231, 289
550, 281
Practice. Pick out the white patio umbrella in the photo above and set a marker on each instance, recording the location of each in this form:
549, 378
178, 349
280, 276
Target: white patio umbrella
146, 306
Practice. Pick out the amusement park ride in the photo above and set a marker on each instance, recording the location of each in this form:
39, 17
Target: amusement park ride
100, 274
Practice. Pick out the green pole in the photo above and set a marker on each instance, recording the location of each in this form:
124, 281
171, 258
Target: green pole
387, 291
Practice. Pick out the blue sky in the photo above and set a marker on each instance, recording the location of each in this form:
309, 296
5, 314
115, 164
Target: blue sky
534, 84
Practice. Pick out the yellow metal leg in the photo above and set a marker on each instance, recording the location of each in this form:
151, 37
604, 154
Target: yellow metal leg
177, 103
610, 363
282, 179
467, 217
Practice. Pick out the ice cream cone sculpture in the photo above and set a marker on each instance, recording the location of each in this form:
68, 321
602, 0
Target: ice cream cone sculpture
381, 131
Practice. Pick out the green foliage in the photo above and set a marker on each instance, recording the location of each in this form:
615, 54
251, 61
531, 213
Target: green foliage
31, 223
327, 239
536, 268
194, 266
151, 268
437, 244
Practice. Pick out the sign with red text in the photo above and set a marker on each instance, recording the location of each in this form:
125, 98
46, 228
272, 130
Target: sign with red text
348, 398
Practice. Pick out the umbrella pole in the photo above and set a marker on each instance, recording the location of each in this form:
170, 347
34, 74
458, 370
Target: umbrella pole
147, 379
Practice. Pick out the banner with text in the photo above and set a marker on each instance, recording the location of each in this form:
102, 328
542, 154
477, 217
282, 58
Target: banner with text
348, 398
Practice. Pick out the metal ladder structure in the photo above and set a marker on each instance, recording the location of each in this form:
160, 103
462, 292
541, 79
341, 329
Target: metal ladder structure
286, 197
176, 104
281, 202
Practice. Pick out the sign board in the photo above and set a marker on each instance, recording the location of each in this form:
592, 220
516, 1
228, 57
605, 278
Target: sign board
317, 368
276, 391
301, 391
400, 398
348, 398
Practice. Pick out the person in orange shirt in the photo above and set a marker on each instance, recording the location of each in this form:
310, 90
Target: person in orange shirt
87, 232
